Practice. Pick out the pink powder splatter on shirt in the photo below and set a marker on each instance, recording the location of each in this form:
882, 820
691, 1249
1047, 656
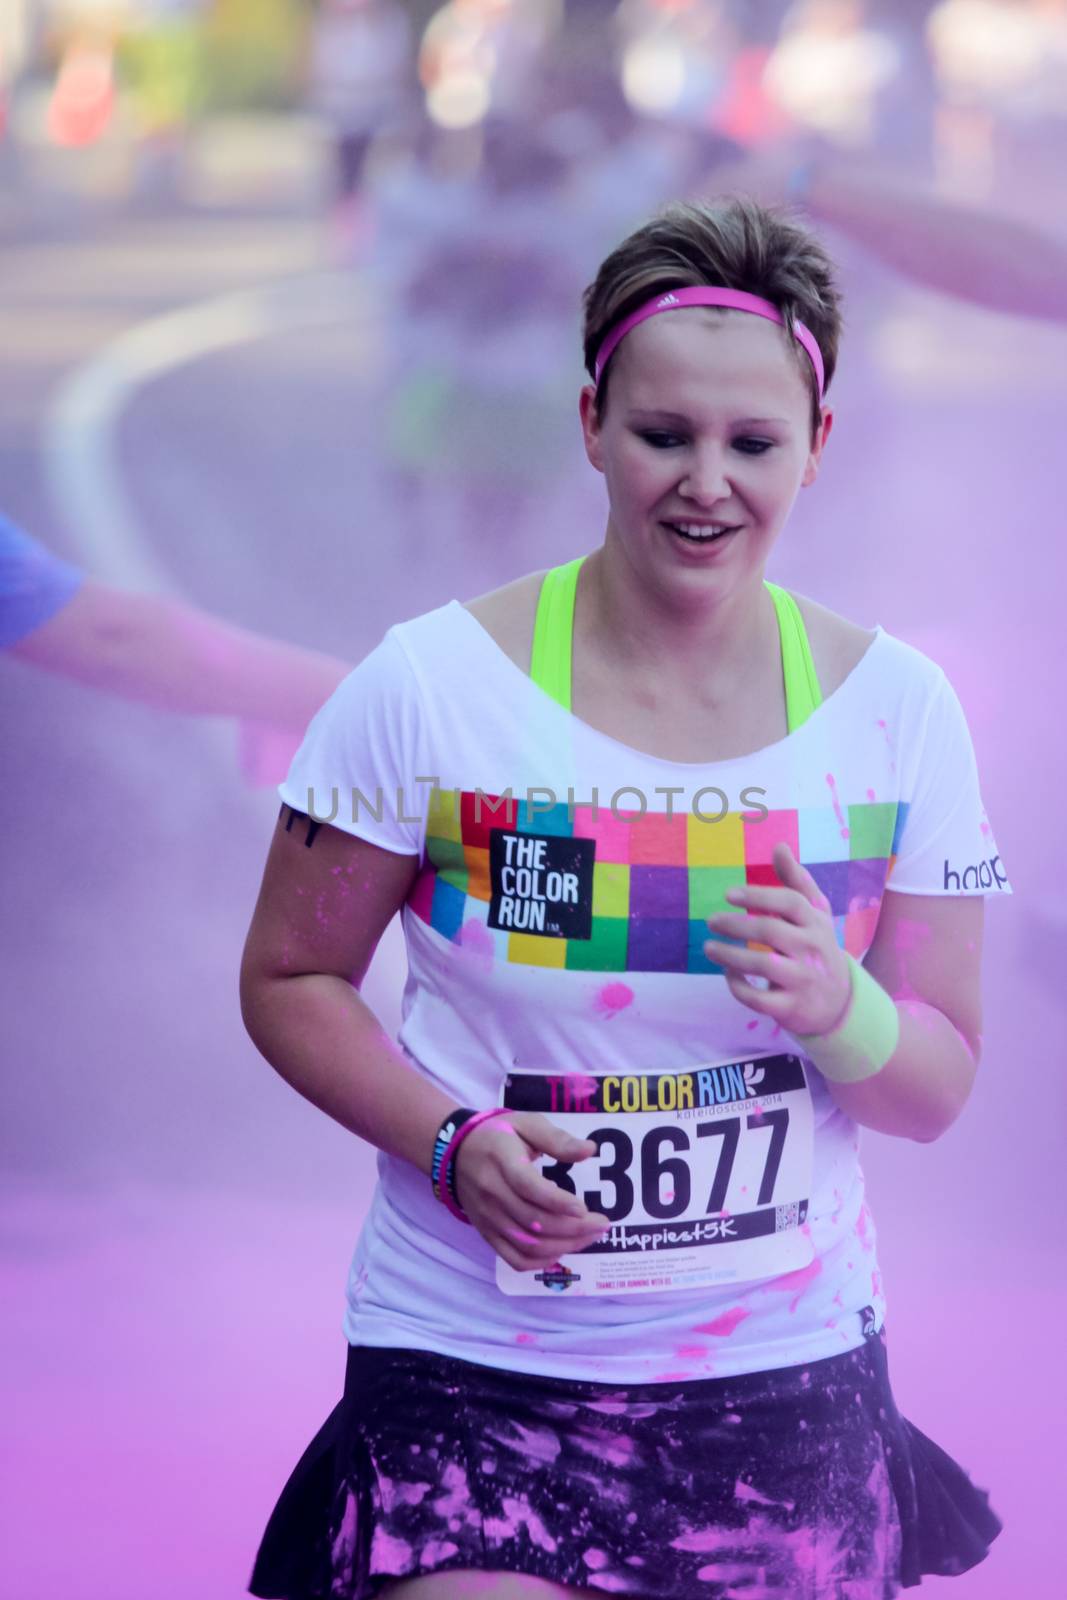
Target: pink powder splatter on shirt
838, 813
723, 1326
526, 1338
863, 1228
870, 795
613, 998
798, 1281
690, 1352
753, 1024
889, 743
476, 940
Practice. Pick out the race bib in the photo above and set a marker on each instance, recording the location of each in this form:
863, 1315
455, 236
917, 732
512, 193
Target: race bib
704, 1174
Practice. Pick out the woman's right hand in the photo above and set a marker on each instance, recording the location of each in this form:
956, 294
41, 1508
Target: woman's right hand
529, 1221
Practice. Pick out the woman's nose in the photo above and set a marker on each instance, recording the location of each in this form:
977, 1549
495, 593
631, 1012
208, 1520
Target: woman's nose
706, 481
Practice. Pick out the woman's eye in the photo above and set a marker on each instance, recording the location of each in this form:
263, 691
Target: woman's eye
752, 447
661, 441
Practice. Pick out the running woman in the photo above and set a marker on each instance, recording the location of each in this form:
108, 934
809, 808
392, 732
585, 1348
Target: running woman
692, 875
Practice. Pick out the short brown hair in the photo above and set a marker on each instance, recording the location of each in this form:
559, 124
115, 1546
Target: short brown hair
730, 244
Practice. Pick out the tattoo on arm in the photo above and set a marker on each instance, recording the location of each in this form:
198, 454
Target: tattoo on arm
313, 827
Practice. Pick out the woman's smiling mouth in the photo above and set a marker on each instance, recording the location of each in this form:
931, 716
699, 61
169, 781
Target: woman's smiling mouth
701, 532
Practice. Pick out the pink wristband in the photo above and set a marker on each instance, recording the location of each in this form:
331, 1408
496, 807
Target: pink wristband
450, 1155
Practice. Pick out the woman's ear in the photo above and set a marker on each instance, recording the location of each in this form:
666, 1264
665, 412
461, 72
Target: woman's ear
811, 468
590, 426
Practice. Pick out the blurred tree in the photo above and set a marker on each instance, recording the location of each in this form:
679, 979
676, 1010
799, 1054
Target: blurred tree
254, 52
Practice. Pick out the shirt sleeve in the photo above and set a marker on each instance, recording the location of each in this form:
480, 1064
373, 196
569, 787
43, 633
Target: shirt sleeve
34, 584
361, 765
945, 844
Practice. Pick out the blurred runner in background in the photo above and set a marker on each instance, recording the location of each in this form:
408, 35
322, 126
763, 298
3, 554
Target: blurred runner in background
362, 82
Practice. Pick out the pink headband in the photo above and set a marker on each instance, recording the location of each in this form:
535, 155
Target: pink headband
731, 299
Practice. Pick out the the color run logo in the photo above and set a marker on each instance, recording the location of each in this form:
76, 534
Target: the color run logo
541, 884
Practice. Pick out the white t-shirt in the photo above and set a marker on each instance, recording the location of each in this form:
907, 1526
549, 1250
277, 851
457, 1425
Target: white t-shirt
590, 962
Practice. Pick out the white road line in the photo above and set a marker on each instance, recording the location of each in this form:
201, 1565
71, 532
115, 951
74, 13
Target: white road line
80, 464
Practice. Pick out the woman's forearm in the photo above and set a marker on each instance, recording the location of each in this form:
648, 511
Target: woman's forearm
923, 1087
175, 657
970, 253
322, 1038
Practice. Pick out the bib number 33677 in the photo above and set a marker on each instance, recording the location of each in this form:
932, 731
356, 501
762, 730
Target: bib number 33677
705, 1175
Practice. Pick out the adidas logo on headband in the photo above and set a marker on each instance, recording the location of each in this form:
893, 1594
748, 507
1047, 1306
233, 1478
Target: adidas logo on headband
668, 300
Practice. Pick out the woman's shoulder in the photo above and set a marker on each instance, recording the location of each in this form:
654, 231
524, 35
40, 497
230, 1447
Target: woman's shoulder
507, 614
837, 644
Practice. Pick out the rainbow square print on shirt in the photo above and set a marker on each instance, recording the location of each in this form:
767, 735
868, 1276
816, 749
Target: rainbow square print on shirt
585, 890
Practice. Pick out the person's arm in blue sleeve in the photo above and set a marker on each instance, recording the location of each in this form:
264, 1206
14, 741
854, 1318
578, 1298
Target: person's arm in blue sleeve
153, 649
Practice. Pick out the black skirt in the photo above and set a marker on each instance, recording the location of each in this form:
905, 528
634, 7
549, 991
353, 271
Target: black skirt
802, 1481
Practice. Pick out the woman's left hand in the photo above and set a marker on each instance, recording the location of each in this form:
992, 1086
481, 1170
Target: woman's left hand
810, 983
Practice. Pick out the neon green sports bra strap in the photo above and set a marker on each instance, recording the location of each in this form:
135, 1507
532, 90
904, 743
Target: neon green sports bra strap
553, 643
802, 692
553, 638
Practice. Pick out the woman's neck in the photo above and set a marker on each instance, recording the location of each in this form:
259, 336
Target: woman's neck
637, 631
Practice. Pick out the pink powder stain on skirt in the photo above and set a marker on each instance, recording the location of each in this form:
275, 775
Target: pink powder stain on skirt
391, 1555
613, 998
637, 1412
537, 1444
700, 1541
616, 1449
526, 1338
722, 1327
516, 1514
726, 1572
457, 1499
436, 1551
595, 1560
690, 1352
401, 1494
745, 1491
